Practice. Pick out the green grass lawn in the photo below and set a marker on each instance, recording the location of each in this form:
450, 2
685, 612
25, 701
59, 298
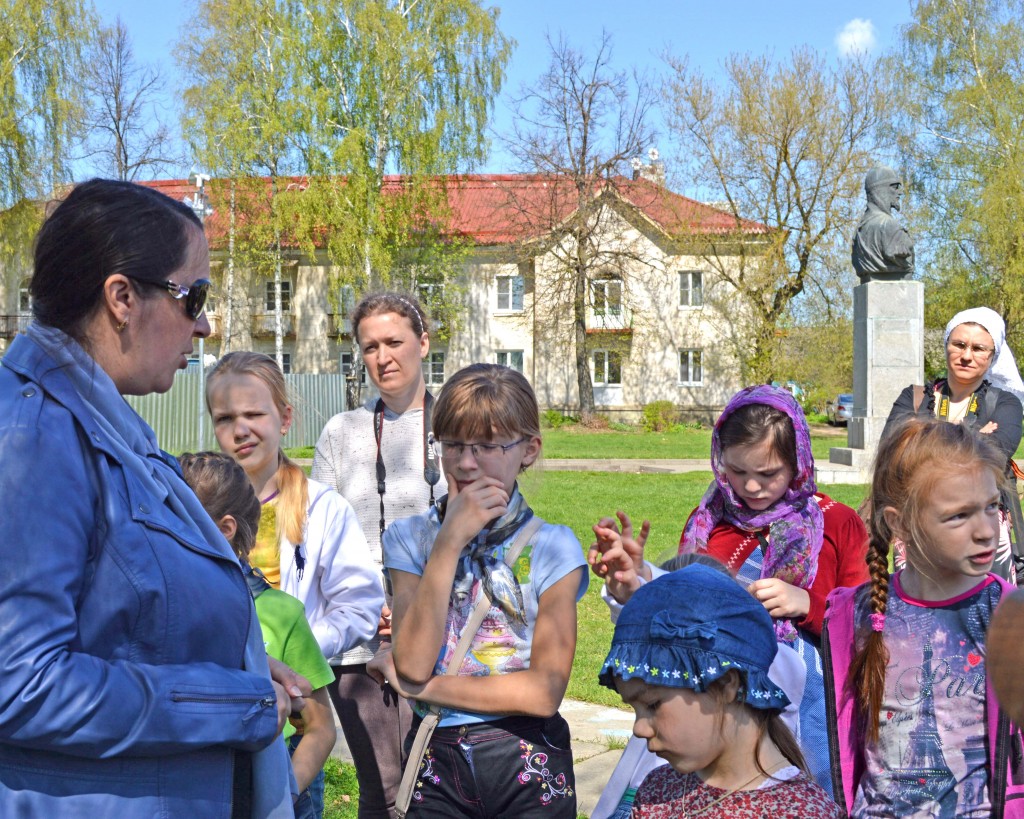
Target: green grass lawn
580, 442
341, 791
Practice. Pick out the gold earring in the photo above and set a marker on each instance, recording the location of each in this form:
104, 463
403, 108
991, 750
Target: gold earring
122, 325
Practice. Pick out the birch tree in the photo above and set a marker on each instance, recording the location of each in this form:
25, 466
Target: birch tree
400, 87
41, 48
241, 118
961, 66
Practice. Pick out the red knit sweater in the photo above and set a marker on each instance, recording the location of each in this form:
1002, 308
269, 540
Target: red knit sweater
842, 561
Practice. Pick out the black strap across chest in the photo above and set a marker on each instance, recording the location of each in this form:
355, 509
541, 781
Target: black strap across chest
431, 470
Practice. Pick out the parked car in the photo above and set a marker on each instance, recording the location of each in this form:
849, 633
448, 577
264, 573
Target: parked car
839, 410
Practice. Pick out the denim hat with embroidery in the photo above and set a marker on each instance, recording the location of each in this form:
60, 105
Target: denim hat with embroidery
687, 629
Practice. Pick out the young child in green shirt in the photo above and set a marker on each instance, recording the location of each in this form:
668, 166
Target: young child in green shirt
227, 495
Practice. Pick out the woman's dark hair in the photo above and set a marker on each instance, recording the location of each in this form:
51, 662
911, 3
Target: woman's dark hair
223, 488
753, 423
402, 304
105, 227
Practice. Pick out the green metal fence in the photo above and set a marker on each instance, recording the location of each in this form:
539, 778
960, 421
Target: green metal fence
182, 424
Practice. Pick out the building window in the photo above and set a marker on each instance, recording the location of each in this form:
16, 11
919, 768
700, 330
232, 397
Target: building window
510, 293
286, 363
691, 288
348, 362
607, 295
286, 296
513, 359
691, 368
25, 296
607, 368
433, 369
346, 300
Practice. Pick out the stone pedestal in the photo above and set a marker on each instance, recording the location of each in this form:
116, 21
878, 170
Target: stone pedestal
888, 355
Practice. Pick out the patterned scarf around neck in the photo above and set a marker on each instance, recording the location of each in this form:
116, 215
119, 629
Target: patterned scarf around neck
498, 579
795, 522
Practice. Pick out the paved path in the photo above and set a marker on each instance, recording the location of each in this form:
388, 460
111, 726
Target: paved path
598, 736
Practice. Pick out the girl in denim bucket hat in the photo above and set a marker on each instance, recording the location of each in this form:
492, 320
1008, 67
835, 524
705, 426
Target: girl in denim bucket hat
690, 655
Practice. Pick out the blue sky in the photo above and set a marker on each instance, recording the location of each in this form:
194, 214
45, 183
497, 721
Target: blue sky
641, 30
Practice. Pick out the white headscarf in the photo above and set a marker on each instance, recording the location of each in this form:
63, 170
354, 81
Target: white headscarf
1002, 372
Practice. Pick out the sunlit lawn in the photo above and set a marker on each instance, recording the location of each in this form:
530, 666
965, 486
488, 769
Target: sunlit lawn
580, 442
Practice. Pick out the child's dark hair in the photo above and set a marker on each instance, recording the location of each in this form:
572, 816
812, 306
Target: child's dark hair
753, 423
223, 488
768, 723
911, 460
484, 400
402, 304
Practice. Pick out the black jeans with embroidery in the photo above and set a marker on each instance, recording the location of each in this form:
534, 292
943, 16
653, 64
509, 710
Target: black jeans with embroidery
510, 767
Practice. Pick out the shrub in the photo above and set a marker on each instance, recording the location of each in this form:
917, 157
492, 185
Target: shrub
553, 419
659, 416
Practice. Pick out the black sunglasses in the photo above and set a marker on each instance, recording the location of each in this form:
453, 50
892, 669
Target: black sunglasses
194, 295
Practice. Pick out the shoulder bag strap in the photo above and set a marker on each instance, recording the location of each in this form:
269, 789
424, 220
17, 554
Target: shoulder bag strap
429, 723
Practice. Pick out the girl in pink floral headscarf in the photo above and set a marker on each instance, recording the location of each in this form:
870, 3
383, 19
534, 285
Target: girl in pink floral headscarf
763, 518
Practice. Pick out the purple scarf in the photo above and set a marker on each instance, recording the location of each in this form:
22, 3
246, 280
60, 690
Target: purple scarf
795, 522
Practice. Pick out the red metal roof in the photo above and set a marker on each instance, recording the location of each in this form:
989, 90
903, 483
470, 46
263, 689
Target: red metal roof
496, 209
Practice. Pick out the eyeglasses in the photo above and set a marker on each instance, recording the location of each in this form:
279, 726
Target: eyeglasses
979, 350
194, 295
452, 450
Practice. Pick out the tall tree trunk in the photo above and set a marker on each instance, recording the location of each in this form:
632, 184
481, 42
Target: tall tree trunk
579, 322
278, 307
229, 279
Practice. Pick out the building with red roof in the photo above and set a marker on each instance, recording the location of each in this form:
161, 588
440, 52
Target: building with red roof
660, 324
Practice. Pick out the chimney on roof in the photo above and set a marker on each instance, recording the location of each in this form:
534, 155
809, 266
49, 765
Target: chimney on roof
653, 172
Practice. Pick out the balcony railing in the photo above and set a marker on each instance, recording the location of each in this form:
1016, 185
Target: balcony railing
338, 326
10, 326
263, 325
612, 319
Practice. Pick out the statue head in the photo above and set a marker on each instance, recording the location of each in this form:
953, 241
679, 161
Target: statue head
883, 188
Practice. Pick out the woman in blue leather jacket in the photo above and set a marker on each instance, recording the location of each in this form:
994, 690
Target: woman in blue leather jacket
133, 679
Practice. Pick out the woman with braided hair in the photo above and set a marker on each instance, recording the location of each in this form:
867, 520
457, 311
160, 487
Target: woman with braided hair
914, 726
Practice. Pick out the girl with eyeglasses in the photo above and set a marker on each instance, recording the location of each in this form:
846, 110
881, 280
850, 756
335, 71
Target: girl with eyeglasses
982, 391
500, 748
133, 676
381, 460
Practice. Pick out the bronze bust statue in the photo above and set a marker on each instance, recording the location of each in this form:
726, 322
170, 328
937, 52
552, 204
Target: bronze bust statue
882, 247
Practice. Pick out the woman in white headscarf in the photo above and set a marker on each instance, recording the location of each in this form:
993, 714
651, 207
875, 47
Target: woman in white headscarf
983, 390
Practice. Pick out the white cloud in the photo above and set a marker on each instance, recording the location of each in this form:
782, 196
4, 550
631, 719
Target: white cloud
857, 36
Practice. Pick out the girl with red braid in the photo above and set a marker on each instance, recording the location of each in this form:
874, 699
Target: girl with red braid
913, 722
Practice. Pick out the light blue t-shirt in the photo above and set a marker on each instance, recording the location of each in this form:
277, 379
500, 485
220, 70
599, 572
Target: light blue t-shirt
502, 645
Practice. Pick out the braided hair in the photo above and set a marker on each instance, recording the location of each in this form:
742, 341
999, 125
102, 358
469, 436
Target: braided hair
911, 460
